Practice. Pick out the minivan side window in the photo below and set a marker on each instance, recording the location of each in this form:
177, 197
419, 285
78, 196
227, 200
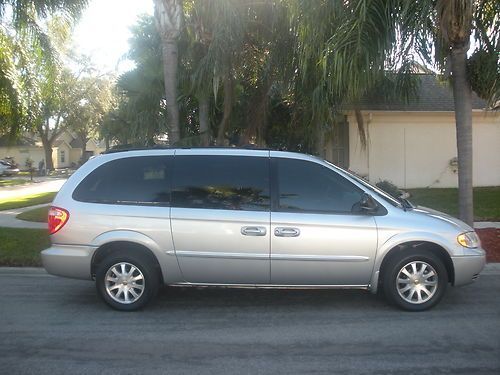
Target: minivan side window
304, 186
142, 180
221, 182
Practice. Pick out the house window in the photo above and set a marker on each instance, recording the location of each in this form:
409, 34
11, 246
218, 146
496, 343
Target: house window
63, 156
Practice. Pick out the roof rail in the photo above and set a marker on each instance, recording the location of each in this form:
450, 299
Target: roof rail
165, 147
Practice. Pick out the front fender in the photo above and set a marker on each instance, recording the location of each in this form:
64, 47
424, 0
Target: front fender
401, 238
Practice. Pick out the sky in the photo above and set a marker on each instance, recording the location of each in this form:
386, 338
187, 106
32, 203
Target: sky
103, 31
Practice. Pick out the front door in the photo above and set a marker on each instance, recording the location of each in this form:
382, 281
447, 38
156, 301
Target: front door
317, 239
220, 217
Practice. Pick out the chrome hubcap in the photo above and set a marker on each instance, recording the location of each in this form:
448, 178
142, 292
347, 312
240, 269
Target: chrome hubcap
124, 283
417, 282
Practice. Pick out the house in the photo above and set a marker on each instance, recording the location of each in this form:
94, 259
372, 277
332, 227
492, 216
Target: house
414, 144
67, 150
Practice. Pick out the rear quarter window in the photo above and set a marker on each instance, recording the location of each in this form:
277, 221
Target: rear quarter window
143, 180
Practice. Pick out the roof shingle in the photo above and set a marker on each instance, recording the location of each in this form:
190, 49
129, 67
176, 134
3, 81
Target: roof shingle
433, 96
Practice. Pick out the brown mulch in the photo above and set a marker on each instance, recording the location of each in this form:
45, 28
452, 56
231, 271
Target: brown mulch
490, 241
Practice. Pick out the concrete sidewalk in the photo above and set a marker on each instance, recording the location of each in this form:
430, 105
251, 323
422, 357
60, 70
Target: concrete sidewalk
486, 224
45, 186
8, 218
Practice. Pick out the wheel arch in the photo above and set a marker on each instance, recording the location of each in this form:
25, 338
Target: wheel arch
117, 246
409, 247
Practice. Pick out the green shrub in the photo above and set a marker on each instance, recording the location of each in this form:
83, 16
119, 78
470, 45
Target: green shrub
389, 188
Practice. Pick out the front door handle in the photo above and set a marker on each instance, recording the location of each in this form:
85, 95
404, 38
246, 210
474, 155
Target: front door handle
253, 231
286, 232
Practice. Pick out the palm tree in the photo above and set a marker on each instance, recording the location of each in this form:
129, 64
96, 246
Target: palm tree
169, 20
455, 25
375, 36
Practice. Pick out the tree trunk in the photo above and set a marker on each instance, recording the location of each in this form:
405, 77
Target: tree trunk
170, 57
84, 139
203, 112
257, 113
462, 95
47, 148
169, 20
320, 141
228, 108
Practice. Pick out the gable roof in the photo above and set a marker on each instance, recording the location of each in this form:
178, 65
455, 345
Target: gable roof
432, 96
6, 141
60, 142
76, 143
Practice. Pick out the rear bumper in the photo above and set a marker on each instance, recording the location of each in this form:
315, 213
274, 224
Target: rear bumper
467, 268
68, 261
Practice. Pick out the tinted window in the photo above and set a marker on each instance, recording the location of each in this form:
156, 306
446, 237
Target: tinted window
141, 180
309, 187
221, 182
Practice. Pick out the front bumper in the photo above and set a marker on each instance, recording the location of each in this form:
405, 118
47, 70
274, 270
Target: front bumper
468, 267
68, 261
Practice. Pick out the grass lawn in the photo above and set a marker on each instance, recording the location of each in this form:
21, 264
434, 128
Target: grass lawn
486, 201
13, 182
38, 215
26, 200
21, 247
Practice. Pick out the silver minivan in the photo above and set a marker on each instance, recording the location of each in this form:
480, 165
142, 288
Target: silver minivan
134, 220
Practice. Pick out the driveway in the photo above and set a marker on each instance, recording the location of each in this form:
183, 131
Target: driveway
41, 185
52, 325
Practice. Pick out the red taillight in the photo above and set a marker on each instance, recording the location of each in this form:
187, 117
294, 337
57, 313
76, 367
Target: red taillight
57, 218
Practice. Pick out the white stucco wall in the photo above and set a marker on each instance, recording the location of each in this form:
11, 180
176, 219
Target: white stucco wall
21, 154
414, 149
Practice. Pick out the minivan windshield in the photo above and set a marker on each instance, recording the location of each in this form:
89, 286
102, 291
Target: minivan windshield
395, 202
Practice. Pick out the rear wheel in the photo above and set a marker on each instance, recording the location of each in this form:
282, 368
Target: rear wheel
415, 282
127, 281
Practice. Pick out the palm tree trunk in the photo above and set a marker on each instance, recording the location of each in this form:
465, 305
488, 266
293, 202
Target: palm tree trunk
170, 57
203, 112
463, 116
169, 21
228, 108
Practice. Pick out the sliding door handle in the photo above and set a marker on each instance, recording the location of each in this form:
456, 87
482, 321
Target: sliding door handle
253, 231
286, 232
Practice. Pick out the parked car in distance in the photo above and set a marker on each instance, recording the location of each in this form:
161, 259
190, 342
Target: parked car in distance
8, 169
133, 220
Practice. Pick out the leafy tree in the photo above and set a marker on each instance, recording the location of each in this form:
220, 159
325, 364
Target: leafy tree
22, 32
94, 98
139, 112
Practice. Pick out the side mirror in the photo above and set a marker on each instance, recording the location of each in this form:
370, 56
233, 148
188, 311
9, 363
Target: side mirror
366, 205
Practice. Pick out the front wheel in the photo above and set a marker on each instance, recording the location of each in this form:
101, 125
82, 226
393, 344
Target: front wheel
415, 282
127, 281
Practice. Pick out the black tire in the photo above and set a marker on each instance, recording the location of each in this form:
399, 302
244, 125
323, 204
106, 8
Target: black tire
146, 271
395, 291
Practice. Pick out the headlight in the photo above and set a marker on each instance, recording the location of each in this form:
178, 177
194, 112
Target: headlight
468, 239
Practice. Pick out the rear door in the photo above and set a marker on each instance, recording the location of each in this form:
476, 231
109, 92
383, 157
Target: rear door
220, 216
317, 239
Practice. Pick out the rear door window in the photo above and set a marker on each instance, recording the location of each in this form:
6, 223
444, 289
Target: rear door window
221, 182
143, 180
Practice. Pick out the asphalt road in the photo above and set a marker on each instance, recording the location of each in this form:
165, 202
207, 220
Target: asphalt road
51, 325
